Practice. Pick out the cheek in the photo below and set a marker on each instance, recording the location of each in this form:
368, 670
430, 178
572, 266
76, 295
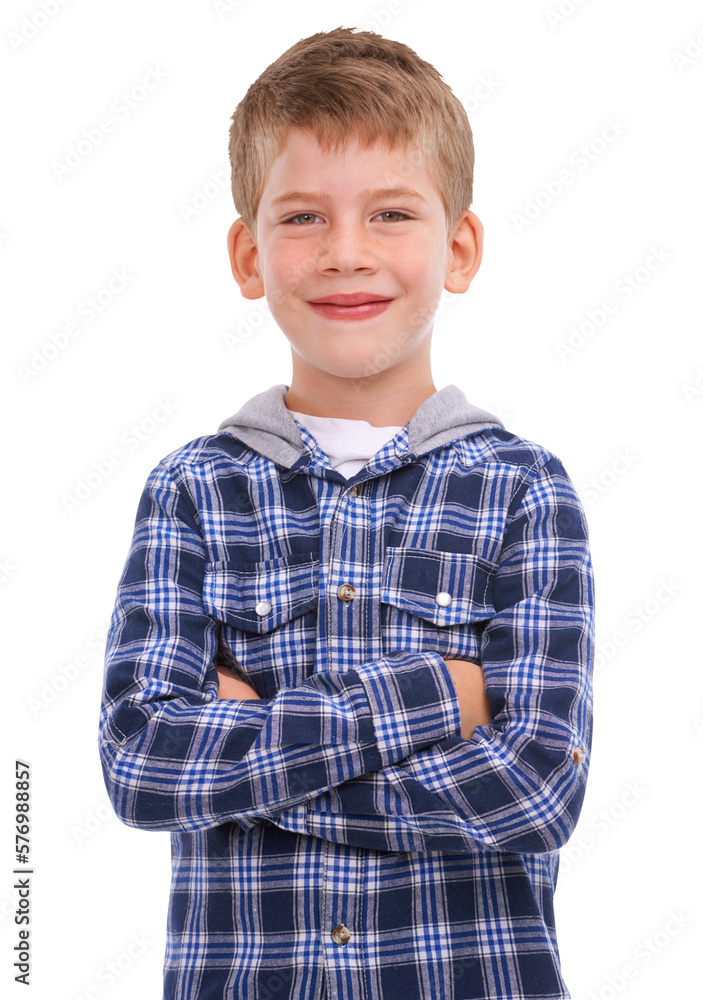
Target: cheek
425, 275
276, 277
292, 263
425, 269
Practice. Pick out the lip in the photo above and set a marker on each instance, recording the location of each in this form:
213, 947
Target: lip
349, 299
350, 306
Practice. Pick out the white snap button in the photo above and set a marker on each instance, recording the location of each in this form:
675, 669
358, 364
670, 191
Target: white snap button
443, 599
262, 608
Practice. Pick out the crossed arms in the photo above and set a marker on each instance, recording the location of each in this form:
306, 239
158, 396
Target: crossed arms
401, 753
467, 677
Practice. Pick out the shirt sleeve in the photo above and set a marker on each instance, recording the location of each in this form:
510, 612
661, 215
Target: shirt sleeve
517, 784
175, 757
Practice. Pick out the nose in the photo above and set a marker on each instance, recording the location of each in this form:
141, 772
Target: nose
347, 249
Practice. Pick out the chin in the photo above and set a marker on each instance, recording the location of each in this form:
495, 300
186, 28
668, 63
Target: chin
347, 366
354, 372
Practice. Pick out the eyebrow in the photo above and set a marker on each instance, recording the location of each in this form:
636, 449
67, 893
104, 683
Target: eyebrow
369, 193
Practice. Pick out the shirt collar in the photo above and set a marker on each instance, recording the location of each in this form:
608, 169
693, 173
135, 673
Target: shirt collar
266, 425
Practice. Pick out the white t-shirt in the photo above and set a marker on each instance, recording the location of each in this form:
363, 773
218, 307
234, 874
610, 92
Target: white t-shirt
349, 444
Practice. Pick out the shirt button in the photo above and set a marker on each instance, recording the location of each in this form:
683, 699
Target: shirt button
341, 934
262, 608
354, 490
578, 756
443, 599
346, 592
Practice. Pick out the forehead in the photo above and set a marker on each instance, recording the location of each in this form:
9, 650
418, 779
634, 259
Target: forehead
305, 164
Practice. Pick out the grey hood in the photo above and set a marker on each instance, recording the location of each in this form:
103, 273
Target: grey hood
265, 424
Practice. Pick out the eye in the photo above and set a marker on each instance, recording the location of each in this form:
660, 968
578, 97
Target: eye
303, 218
396, 216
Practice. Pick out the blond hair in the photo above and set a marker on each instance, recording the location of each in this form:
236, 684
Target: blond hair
344, 85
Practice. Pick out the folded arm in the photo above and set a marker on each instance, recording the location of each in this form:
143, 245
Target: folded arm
175, 756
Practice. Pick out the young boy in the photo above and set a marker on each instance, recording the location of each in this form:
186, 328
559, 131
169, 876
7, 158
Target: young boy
349, 666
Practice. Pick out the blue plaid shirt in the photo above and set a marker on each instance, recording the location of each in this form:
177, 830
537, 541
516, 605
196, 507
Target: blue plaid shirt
338, 838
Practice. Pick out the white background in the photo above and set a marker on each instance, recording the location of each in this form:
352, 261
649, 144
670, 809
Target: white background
619, 398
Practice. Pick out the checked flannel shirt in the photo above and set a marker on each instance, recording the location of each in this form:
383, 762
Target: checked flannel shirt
337, 838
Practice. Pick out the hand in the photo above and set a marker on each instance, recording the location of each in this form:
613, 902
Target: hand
231, 686
471, 694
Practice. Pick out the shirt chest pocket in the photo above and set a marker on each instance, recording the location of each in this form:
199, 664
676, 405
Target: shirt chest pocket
268, 612
437, 600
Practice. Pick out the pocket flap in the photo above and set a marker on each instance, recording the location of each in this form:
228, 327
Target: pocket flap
261, 596
446, 588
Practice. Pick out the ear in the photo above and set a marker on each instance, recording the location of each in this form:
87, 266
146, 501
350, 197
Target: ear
244, 260
465, 247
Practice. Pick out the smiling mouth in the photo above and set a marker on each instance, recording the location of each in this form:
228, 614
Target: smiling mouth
354, 306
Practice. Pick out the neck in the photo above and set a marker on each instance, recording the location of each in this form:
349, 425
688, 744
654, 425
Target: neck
383, 402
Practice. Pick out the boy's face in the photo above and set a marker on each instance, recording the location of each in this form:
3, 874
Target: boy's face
352, 253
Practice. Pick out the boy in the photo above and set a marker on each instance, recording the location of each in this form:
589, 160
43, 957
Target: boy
349, 666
